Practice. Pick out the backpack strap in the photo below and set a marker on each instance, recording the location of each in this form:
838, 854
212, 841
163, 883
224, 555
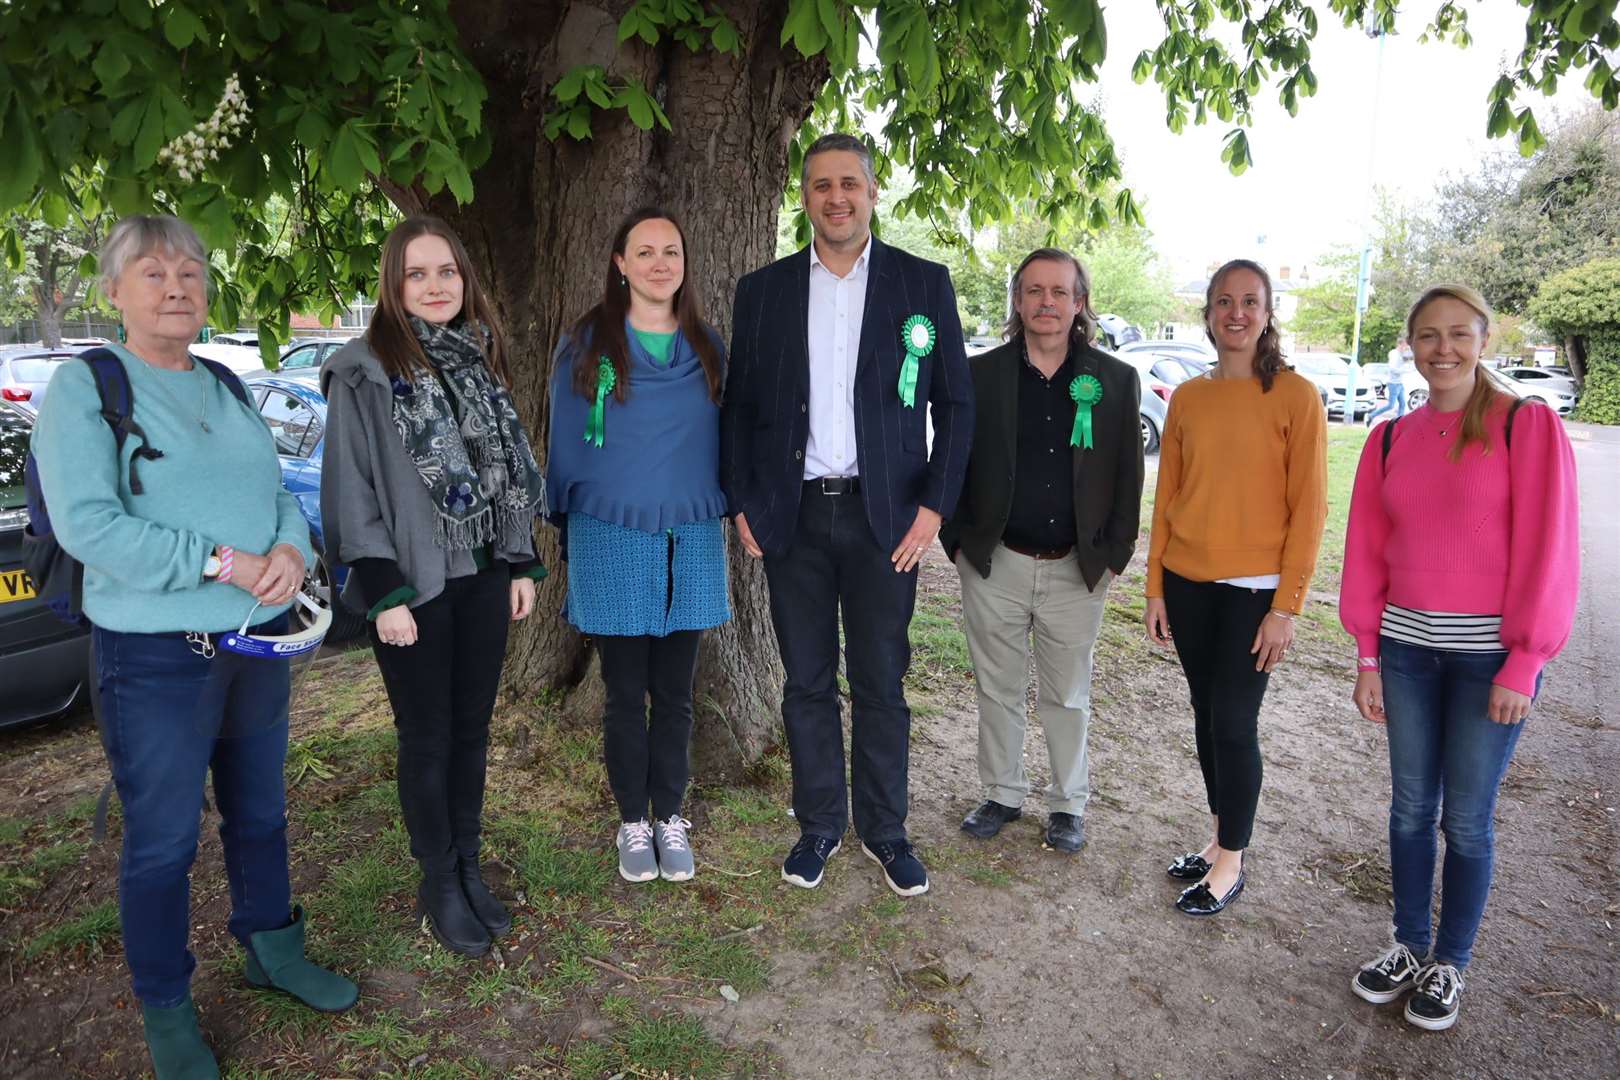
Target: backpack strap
118, 408
1507, 427
232, 381
1388, 439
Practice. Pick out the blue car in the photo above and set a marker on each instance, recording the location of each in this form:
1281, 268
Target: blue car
295, 409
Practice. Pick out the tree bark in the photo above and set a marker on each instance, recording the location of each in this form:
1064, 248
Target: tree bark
539, 228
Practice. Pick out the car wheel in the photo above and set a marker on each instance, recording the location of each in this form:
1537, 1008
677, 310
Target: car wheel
1150, 435
1416, 398
318, 587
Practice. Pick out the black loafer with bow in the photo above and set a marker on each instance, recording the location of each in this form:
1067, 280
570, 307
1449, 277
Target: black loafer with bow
1190, 867
1198, 900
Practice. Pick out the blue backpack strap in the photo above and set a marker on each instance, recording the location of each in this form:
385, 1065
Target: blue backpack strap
225, 375
118, 408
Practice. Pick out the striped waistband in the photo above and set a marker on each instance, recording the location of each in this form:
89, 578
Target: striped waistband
1443, 629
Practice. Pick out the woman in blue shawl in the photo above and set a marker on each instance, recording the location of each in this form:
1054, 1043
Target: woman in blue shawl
634, 482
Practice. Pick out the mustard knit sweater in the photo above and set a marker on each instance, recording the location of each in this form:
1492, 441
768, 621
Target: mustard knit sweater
1242, 484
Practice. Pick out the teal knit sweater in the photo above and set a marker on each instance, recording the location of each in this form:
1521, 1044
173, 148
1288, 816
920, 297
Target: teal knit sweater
143, 554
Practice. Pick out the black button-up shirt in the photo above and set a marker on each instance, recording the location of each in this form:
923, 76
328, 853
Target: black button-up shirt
1042, 516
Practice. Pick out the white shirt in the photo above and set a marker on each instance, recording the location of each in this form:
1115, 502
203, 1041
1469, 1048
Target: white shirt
836, 307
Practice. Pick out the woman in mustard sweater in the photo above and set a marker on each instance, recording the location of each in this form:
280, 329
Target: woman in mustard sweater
1237, 517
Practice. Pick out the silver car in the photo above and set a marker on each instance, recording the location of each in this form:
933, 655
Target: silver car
1331, 374
26, 370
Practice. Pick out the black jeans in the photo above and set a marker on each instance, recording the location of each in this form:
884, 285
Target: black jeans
648, 760
836, 563
442, 690
1213, 626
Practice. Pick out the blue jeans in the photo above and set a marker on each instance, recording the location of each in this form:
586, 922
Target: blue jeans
1446, 761
1394, 401
167, 717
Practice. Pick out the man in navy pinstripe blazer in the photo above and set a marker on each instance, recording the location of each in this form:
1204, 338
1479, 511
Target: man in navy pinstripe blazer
830, 479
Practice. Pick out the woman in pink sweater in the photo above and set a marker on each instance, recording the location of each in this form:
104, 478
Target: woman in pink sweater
1460, 575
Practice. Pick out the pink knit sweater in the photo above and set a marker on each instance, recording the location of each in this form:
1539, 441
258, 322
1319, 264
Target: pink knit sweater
1496, 533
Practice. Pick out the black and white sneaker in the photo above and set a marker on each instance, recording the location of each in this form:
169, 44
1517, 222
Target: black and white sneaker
1433, 1006
902, 870
807, 862
1386, 978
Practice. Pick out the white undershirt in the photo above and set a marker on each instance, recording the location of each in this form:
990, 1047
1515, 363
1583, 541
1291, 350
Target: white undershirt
836, 307
1258, 581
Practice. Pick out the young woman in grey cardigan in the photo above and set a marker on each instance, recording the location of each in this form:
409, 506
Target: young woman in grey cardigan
429, 491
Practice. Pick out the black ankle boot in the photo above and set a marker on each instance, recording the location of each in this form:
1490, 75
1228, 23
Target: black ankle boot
489, 910
442, 903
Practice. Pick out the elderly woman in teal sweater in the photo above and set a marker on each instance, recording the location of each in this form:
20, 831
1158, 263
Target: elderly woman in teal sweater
180, 546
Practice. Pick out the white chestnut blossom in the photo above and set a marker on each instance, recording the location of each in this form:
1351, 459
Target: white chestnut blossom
190, 153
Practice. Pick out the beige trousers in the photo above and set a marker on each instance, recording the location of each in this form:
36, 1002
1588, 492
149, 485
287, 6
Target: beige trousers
1046, 599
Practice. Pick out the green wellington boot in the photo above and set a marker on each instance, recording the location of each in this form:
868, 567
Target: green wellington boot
275, 959
177, 1047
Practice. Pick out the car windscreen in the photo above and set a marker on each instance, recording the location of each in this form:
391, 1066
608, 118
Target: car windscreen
14, 432
1321, 365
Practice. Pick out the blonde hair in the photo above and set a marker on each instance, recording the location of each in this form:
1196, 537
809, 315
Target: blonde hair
1488, 393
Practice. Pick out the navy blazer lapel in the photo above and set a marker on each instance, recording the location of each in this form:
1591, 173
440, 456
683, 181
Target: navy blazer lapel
798, 348
875, 314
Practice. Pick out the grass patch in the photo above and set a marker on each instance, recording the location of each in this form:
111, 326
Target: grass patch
697, 954
662, 1047
547, 865
938, 646
387, 1033
19, 880
93, 930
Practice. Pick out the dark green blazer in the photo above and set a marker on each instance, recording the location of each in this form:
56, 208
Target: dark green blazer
1107, 478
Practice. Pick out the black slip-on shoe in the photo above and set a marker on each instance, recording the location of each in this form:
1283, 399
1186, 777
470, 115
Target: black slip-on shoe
988, 817
1189, 867
1198, 900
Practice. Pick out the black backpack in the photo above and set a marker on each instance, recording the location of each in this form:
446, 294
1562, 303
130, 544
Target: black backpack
1507, 431
57, 576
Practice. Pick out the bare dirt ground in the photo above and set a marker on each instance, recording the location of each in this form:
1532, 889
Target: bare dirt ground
1019, 962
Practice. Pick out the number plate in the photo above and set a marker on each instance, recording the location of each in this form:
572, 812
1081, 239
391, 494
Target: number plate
15, 585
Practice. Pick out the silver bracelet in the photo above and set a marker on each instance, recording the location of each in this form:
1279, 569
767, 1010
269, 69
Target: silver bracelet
1289, 615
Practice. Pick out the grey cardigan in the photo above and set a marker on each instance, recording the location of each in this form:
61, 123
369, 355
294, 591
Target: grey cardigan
374, 505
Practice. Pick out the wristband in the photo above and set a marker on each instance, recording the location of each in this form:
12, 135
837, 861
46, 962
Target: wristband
1367, 663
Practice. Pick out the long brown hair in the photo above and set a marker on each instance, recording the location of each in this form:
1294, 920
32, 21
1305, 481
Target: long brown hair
1487, 394
1268, 355
1085, 319
390, 335
600, 331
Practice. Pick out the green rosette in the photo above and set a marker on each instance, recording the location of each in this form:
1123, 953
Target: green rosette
917, 336
1086, 392
596, 423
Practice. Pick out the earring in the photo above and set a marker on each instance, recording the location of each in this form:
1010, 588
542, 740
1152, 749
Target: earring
623, 280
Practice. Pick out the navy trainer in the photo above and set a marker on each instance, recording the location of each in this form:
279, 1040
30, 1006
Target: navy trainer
901, 868
808, 860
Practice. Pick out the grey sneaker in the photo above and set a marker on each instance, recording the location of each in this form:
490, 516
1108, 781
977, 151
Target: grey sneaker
637, 860
675, 861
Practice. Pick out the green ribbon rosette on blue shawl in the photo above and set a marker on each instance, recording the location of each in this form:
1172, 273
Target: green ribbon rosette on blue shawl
917, 335
1086, 392
596, 423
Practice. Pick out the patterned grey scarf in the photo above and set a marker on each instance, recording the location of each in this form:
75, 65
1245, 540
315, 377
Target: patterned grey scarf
461, 428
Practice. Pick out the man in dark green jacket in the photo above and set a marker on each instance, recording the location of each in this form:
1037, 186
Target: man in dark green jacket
1049, 515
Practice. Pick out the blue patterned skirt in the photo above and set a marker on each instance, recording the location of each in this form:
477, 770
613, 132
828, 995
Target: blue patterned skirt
629, 582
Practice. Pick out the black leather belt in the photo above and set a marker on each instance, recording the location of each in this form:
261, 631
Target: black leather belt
1054, 553
833, 485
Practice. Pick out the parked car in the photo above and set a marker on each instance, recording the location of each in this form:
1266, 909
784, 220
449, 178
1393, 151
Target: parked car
1113, 332
1550, 392
1331, 374
295, 409
239, 358
44, 660
303, 356
1200, 351
1155, 403
26, 371
1539, 377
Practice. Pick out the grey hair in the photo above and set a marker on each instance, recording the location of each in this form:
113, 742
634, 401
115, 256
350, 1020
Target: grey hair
142, 234
1085, 319
837, 140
